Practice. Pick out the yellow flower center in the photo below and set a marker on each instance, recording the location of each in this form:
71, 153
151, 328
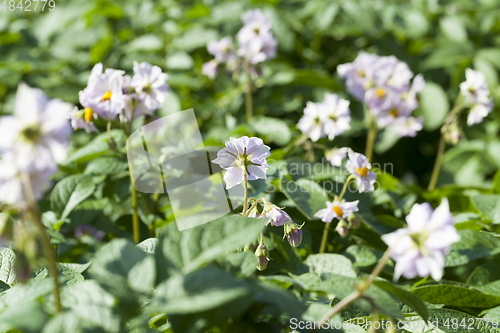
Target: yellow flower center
393, 113
107, 96
338, 211
89, 113
380, 93
362, 171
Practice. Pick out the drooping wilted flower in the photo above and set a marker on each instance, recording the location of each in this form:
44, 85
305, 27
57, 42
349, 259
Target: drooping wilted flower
337, 210
82, 119
243, 155
151, 89
359, 166
38, 132
421, 249
329, 118
277, 216
336, 155
104, 92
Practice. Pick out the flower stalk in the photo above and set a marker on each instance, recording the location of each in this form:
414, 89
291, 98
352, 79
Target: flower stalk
47, 247
361, 288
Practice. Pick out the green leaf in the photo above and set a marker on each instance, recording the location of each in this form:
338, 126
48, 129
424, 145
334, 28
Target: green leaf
484, 274
69, 192
106, 166
148, 245
362, 256
306, 194
454, 29
325, 16
342, 286
99, 50
26, 316
455, 295
329, 263
196, 247
274, 129
472, 245
404, 296
199, 291
123, 269
489, 205
492, 54
7, 258
62, 323
97, 147
434, 105
496, 182
444, 319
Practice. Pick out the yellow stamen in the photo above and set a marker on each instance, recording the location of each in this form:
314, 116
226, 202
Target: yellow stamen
89, 113
107, 96
380, 93
338, 211
362, 171
393, 113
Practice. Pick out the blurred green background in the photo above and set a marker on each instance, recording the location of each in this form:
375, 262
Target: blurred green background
55, 50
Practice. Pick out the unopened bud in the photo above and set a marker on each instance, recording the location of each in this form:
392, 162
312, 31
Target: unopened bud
452, 132
342, 228
294, 237
262, 257
354, 221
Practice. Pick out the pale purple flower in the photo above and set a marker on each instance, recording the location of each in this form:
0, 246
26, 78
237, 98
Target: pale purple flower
474, 88
89, 230
421, 249
38, 132
149, 83
277, 216
478, 112
11, 186
255, 39
336, 155
407, 126
210, 68
338, 115
359, 166
337, 210
243, 155
82, 119
359, 74
311, 123
222, 50
104, 92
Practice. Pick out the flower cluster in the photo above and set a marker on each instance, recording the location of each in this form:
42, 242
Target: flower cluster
256, 44
383, 83
477, 95
359, 169
329, 118
34, 140
111, 94
421, 248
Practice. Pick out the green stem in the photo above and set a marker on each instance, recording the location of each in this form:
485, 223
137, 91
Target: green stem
437, 164
47, 248
442, 143
370, 140
135, 215
248, 93
245, 203
253, 206
324, 239
360, 289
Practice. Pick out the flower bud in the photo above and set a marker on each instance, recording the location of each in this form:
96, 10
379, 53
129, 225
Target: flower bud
262, 257
293, 233
354, 221
342, 228
452, 132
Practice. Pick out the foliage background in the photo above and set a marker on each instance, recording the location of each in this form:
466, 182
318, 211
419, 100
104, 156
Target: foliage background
56, 50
